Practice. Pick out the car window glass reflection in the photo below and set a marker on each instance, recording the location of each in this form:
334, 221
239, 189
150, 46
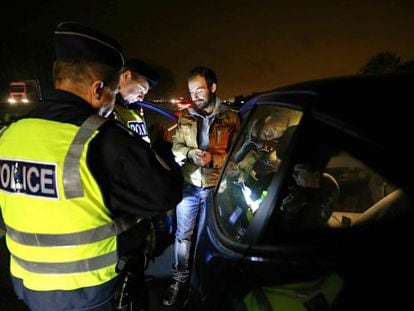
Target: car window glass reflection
252, 166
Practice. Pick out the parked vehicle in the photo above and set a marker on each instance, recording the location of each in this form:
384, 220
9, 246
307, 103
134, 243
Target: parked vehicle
262, 231
24, 92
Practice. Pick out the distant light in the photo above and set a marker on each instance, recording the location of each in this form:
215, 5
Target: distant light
242, 101
25, 100
12, 100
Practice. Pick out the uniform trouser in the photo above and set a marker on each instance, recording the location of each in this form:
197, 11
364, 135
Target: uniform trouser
191, 208
100, 297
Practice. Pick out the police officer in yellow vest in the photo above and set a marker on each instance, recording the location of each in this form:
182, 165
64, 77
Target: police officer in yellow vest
74, 185
136, 79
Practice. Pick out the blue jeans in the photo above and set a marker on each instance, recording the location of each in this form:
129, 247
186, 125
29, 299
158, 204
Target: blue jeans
191, 208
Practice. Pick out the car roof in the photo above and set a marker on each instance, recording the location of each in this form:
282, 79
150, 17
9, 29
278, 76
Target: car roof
374, 106
154, 107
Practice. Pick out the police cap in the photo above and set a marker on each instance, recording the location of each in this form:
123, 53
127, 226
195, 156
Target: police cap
77, 41
140, 67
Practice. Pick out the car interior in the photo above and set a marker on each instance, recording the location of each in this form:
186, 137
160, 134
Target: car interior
364, 194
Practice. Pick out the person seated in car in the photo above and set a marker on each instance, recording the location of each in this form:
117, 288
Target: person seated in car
250, 171
255, 162
310, 199
262, 140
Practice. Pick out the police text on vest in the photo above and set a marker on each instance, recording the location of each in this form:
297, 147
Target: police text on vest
28, 178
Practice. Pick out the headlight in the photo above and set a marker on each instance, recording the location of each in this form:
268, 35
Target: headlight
12, 101
25, 100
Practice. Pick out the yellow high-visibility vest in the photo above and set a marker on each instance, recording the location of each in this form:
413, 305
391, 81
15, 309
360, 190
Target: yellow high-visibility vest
319, 294
60, 234
133, 120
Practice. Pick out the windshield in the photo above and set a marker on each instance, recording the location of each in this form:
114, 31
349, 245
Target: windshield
17, 88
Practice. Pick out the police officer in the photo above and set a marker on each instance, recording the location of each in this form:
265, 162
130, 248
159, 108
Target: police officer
74, 185
136, 79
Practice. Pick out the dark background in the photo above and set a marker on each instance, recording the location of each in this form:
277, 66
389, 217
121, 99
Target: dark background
252, 45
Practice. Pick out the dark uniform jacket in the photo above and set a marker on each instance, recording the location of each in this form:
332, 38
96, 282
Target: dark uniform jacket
123, 165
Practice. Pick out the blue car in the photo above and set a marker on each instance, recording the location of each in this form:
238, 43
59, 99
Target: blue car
314, 205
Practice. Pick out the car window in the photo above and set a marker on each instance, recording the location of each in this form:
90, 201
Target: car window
342, 193
365, 195
252, 165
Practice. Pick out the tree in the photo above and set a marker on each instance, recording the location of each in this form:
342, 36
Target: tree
383, 62
386, 62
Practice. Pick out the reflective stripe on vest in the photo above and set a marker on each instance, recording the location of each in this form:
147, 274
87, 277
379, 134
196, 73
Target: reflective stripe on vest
133, 120
85, 265
2, 131
84, 237
71, 177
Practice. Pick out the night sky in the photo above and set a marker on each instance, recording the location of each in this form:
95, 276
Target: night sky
252, 45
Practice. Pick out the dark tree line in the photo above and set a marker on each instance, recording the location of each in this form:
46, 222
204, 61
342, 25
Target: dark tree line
387, 62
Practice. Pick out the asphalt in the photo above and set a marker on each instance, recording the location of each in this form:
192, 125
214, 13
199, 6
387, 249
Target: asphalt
158, 275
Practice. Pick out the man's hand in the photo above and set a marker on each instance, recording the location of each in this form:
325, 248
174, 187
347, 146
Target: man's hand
200, 157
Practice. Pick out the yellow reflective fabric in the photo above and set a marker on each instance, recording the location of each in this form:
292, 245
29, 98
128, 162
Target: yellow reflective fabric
63, 253
42, 141
125, 115
293, 297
